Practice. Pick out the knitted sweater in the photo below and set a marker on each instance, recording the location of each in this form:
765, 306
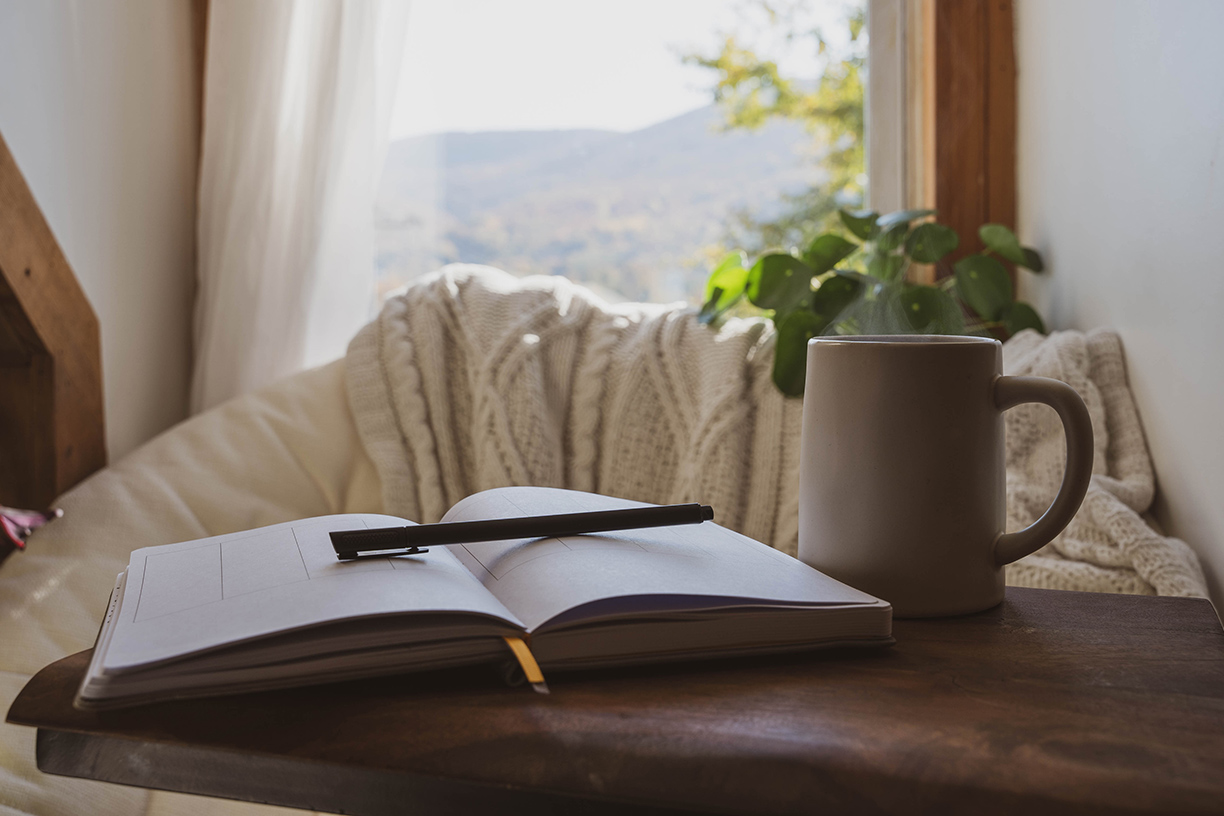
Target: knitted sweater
473, 379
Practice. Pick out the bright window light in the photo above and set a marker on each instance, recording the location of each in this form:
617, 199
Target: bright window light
559, 137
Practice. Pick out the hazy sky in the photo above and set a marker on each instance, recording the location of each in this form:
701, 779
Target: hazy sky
541, 64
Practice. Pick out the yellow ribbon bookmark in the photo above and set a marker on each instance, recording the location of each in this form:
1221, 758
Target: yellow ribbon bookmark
527, 661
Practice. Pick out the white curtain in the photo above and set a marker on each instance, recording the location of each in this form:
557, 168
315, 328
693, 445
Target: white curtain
297, 104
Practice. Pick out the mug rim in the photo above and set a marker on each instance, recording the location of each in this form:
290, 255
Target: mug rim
905, 340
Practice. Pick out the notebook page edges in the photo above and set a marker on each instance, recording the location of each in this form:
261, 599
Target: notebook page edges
105, 631
711, 566
195, 596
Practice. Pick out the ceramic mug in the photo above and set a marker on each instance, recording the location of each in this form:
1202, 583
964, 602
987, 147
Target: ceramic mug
902, 483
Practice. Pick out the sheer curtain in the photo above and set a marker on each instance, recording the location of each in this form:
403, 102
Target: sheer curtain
297, 103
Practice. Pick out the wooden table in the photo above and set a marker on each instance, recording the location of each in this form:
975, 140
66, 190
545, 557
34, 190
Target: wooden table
1054, 702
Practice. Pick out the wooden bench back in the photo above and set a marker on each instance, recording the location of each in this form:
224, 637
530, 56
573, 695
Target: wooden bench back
52, 432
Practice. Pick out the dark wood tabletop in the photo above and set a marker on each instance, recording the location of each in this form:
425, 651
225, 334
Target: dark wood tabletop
1053, 702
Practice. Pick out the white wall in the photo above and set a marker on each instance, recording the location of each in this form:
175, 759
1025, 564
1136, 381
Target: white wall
99, 107
1121, 187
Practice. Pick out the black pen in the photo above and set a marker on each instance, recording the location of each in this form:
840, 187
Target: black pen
350, 544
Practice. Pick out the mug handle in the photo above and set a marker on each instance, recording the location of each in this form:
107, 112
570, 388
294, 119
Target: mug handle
1077, 425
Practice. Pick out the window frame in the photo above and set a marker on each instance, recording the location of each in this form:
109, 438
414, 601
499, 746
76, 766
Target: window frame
941, 112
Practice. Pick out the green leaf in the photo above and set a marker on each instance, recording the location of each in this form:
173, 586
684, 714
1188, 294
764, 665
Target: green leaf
902, 217
728, 280
861, 223
826, 252
730, 276
885, 267
1019, 316
1002, 241
930, 242
1032, 260
790, 350
892, 237
779, 281
984, 284
835, 295
932, 310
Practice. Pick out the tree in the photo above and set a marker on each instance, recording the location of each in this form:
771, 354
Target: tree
752, 90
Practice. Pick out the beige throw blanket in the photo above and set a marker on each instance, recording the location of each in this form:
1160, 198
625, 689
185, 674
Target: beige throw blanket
475, 379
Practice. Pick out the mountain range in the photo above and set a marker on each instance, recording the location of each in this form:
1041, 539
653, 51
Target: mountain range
634, 215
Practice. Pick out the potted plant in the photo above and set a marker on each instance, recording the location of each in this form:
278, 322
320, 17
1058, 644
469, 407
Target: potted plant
859, 285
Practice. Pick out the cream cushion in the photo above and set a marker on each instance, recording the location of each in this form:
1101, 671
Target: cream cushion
289, 451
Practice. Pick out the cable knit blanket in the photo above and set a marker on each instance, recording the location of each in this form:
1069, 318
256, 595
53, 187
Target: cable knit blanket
474, 379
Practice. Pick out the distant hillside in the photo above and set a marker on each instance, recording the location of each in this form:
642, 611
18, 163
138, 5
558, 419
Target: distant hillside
625, 212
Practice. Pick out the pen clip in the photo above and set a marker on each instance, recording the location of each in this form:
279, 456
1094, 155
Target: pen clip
355, 555
378, 542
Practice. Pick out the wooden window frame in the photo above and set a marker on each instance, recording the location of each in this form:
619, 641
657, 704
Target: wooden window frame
942, 99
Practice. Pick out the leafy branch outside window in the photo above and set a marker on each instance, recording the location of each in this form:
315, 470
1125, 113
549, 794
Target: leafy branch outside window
752, 90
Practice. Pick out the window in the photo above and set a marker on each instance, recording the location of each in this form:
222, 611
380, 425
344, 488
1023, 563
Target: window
551, 137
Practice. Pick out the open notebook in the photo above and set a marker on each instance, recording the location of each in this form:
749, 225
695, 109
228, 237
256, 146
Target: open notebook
274, 607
